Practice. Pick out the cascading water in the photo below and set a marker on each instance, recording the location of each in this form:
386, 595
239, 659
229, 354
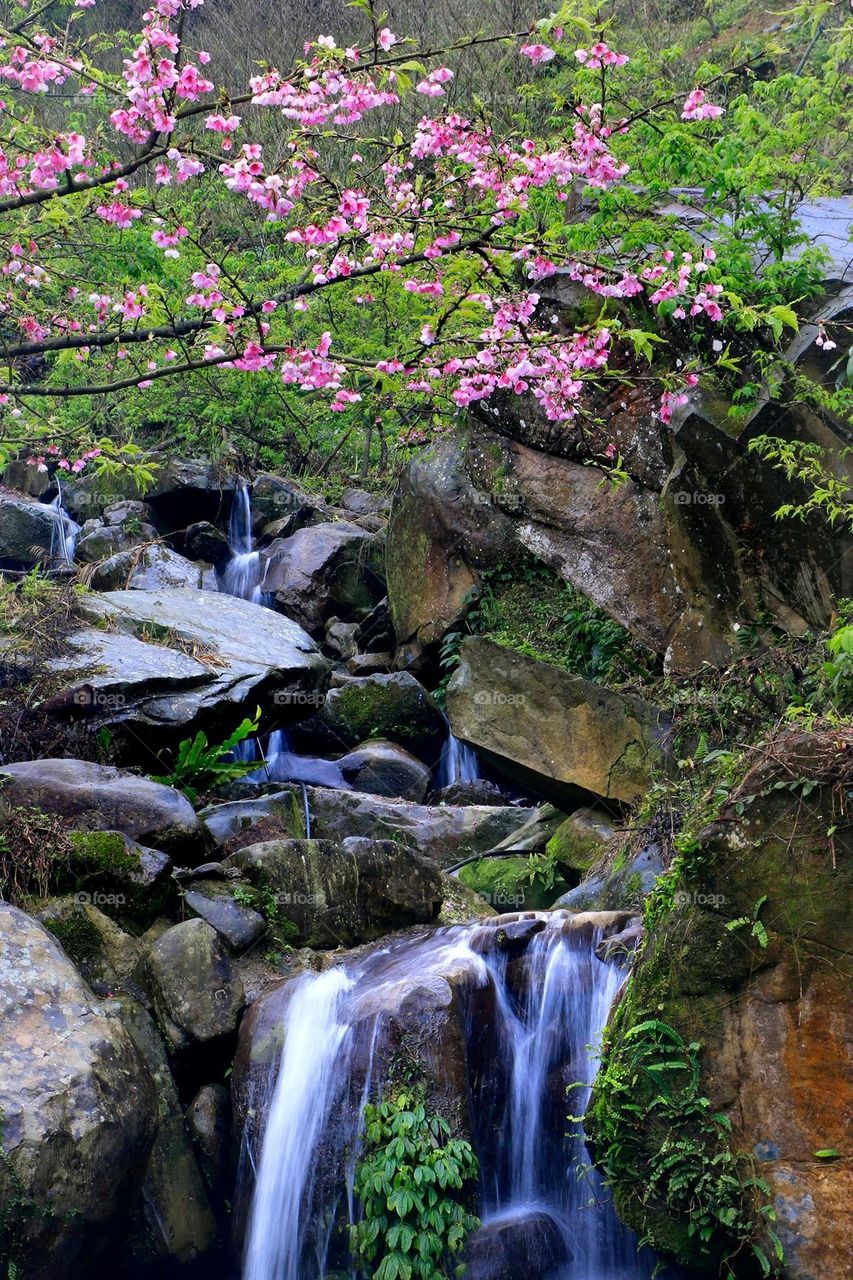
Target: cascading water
242, 574
280, 764
529, 1022
458, 763
63, 538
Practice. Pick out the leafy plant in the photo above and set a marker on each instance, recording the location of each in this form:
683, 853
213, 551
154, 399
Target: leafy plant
757, 929
412, 1180
200, 765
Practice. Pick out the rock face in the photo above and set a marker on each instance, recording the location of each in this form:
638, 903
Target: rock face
96, 797
177, 660
319, 570
188, 490
26, 531
443, 833
771, 1019
396, 707
78, 1104
562, 734
333, 894
197, 994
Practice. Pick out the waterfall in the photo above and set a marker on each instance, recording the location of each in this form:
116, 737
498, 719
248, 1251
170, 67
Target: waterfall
242, 574
530, 1022
281, 764
63, 538
458, 763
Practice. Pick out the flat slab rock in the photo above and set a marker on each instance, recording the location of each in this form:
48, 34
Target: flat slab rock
176, 658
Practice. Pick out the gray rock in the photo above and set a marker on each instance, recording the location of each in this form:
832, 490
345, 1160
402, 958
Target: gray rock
188, 490
344, 893
27, 528
395, 707
209, 1123
197, 994
624, 889
340, 637
277, 500
319, 570
384, 769
146, 569
441, 832
100, 541
361, 503
127, 511
203, 541
369, 664
78, 1103
95, 797
178, 1217
529, 1243
108, 958
141, 672
564, 736
238, 926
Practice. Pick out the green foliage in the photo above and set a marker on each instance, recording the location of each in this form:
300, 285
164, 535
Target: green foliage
200, 765
757, 929
827, 493
412, 1181
650, 1082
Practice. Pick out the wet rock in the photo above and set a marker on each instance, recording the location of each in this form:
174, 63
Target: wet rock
78, 1103
612, 887
198, 995
238, 925
177, 660
108, 958
203, 541
369, 664
277, 500
619, 946
340, 637
343, 893
477, 791
509, 939
27, 479
179, 1221
564, 736
393, 707
27, 528
100, 541
581, 839
525, 1244
445, 834
205, 871
146, 569
189, 490
535, 832
385, 769
319, 571
95, 797
209, 1124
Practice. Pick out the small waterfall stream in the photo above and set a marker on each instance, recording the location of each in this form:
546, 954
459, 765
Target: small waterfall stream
242, 574
458, 763
63, 538
531, 1025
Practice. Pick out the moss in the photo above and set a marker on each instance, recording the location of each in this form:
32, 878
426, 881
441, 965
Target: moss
102, 852
506, 885
571, 846
77, 936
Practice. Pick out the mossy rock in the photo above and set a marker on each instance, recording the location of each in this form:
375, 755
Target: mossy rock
581, 839
126, 880
107, 957
506, 884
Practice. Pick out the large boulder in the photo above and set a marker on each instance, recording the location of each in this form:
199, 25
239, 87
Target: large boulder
78, 1107
395, 707
322, 570
148, 568
175, 660
108, 958
527, 1243
28, 530
444, 833
565, 736
384, 769
188, 490
178, 1220
238, 925
752, 964
96, 797
101, 541
280, 502
198, 996
334, 894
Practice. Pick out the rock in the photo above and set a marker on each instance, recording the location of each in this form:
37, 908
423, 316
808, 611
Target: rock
127, 511
510, 883
376, 632
27, 530
96, 797
609, 886
177, 660
275, 499
361, 503
209, 1124
178, 1217
87, 497
477, 791
204, 871
344, 893
564, 736
108, 958
581, 839
189, 490
620, 946
99, 541
528, 1243
78, 1103
198, 996
320, 570
535, 832
772, 1020
384, 769
340, 637
146, 569
395, 707
369, 664
26, 478
441, 833
203, 541
238, 926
